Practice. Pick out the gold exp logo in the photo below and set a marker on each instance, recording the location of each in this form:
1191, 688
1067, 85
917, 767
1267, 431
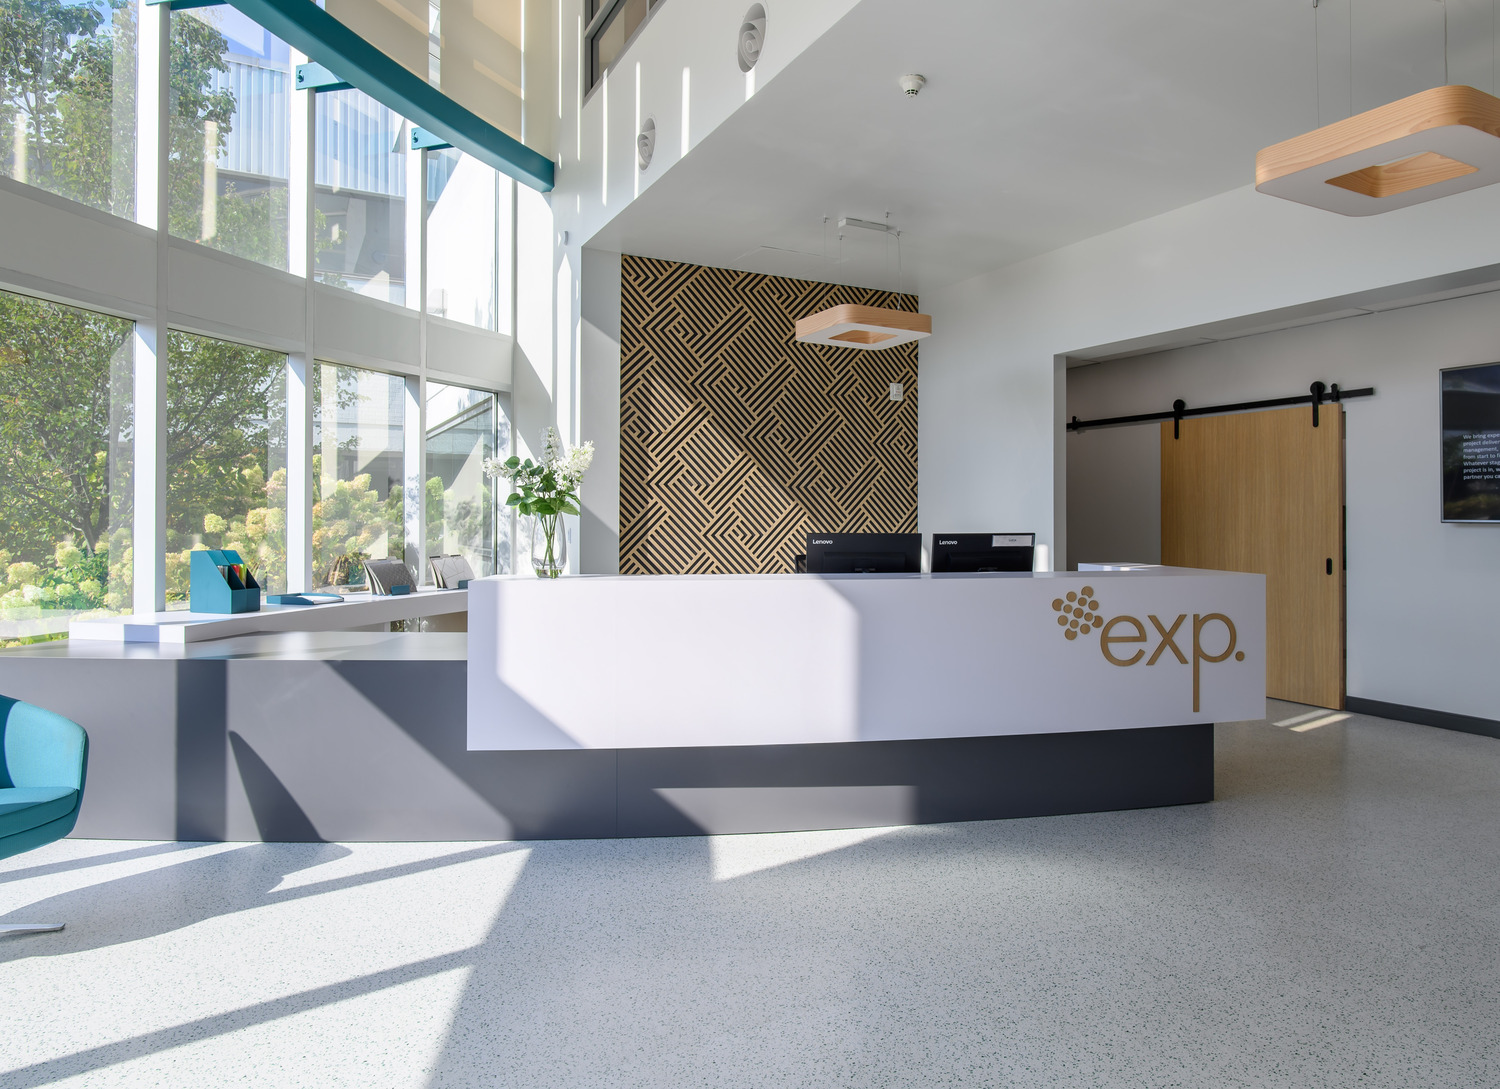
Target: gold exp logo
1078, 614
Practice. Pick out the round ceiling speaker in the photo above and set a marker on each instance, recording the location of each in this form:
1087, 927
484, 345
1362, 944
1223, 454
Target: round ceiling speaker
645, 143
752, 36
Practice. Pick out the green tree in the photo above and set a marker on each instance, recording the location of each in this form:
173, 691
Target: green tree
60, 89
58, 387
225, 417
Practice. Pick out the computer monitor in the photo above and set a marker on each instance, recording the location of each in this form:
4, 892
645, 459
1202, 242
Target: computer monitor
982, 551
864, 553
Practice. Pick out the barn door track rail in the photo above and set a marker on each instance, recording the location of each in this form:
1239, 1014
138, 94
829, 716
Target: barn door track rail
1318, 394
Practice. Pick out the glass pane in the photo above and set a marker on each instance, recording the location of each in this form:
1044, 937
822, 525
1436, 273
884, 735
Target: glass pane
231, 141
67, 100
610, 40
462, 238
464, 426
226, 458
360, 221
359, 465
65, 459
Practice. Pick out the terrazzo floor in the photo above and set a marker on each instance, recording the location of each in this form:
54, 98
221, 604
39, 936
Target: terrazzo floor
1333, 919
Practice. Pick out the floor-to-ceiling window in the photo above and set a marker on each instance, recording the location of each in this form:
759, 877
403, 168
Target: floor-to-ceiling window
65, 462
226, 458
230, 133
359, 226
67, 99
466, 233
359, 472
464, 427
222, 392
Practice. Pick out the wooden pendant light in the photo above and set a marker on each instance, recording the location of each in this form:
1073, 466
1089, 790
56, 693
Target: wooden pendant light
1432, 144
867, 327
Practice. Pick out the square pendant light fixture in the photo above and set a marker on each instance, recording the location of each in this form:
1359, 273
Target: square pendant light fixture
1432, 144
867, 327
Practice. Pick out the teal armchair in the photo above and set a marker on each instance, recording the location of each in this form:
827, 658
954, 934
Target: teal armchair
43, 761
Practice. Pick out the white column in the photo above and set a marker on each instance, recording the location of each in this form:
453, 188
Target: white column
299, 177
149, 590
415, 443
416, 214
300, 365
415, 429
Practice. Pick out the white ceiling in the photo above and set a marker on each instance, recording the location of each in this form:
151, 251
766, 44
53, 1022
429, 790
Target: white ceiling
1042, 123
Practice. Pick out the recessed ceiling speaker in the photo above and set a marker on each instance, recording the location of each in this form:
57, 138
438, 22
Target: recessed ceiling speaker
645, 143
752, 36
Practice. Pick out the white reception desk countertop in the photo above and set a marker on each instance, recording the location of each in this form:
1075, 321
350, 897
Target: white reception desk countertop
651, 661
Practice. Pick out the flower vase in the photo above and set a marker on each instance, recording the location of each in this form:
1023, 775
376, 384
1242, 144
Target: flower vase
549, 546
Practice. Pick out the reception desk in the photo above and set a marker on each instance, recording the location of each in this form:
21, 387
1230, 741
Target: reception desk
646, 662
756, 703
602, 707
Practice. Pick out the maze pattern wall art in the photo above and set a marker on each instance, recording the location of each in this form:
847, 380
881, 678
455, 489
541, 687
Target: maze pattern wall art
737, 441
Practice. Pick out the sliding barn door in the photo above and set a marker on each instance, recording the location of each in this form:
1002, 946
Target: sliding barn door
1264, 492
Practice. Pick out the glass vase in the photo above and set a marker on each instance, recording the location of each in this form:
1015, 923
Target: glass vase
549, 546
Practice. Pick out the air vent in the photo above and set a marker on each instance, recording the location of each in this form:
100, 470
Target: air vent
645, 143
752, 36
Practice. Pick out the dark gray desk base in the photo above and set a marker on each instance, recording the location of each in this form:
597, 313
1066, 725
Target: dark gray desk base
372, 746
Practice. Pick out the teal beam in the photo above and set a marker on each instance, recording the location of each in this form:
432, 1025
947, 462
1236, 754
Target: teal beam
182, 5
306, 27
314, 77
422, 140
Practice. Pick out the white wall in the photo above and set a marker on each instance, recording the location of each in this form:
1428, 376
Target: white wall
1114, 484
991, 417
597, 175
1422, 596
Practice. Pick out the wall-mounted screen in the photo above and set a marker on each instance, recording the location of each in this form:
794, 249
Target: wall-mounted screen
1471, 443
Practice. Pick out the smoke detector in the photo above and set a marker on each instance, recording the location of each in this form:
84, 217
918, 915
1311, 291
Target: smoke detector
911, 83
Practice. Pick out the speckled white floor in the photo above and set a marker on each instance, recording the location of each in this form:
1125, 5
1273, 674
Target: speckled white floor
1332, 920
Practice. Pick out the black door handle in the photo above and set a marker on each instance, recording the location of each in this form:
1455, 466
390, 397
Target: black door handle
1329, 561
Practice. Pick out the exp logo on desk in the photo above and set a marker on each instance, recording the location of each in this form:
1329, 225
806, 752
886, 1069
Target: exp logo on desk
1078, 614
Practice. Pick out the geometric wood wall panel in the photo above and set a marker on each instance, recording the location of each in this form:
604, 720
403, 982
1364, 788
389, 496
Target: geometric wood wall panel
735, 440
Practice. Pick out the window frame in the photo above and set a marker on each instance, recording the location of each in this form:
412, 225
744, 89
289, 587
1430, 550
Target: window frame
605, 14
256, 305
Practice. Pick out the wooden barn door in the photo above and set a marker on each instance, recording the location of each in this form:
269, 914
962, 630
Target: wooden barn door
1264, 492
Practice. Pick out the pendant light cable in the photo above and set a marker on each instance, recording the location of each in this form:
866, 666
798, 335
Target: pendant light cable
900, 283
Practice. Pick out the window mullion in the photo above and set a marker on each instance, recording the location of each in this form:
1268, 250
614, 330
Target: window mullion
149, 575
300, 368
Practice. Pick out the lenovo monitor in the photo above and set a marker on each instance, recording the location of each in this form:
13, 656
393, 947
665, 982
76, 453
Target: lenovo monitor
864, 553
982, 551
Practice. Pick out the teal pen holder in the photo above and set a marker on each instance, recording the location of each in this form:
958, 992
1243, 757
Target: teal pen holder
214, 588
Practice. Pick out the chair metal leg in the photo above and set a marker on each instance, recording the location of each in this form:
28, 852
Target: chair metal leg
30, 928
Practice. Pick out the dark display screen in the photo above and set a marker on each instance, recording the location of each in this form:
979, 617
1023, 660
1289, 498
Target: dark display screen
1471, 444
